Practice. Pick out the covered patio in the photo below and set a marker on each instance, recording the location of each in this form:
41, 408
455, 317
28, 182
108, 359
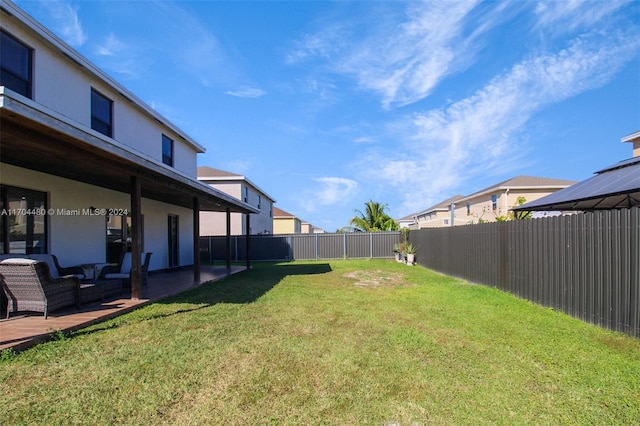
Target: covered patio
35, 138
24, 330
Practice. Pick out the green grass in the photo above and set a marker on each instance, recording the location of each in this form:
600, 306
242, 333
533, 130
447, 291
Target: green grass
341, 342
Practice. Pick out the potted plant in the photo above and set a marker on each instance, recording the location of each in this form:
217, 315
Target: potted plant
411, 254
402, 251
396, 250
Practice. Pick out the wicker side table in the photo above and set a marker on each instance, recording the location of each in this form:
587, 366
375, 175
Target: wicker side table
99, 290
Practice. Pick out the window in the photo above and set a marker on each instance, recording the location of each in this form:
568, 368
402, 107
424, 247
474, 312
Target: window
23, 221
468, 208
167, 151
259, 201
245, 194
494, 202
15, 65
101, 114
270, 210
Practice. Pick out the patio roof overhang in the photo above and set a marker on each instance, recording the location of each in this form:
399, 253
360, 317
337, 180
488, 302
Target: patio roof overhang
35, 138
614, 187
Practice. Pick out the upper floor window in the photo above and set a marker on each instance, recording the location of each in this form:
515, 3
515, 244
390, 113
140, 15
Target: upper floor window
245, 194
101, 113
15, 65
494, 201
468, 208
259, 201
167, 151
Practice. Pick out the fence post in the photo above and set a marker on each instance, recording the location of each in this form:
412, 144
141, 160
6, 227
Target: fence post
290, 244
371, 245
344, 245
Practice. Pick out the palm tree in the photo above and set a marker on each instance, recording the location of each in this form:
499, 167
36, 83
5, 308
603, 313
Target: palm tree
374, 219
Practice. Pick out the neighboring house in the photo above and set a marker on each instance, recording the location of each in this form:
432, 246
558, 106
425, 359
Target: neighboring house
436, 216
285, 223
635, 139
495, 202
88, 170
241, 188
408, 221
489, 204
307, 228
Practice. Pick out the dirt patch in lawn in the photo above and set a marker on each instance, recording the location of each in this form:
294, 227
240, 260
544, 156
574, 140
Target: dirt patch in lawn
377, 279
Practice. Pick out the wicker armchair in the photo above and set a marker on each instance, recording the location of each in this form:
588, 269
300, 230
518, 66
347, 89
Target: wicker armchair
55, 269
122, 270
29, 287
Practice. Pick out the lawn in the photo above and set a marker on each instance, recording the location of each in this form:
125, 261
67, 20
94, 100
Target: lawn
355, 342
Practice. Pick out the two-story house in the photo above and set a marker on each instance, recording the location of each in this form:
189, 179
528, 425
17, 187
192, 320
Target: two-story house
436, 216
489, 204
285, 222
241, 188
495, 202
88, 170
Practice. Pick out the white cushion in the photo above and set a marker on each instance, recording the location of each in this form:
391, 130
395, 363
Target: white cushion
19, 261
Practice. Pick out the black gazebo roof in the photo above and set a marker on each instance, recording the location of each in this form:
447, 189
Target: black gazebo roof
614, 187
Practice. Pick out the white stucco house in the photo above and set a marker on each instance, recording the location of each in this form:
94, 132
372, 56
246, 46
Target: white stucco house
88, 170
241, 188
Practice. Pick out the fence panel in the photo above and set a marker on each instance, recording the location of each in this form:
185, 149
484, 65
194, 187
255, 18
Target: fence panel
586, 265
301, 246
331, 246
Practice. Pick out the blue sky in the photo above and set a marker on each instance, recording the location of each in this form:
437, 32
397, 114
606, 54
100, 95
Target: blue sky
328, 104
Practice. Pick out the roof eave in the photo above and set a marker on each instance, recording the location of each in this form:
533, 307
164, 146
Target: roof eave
81, 61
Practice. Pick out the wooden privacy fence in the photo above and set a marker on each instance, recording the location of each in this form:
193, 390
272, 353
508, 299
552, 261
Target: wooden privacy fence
355, 245
586, 265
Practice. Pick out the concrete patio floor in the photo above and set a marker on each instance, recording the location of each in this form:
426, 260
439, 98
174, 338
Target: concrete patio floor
22, 331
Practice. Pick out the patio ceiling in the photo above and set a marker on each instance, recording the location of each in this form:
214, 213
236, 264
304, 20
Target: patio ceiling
36, 139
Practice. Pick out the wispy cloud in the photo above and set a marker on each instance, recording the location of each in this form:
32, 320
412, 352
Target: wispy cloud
330, 191
120, 57
65, 21
409, 64
325, 43
571, 14
173, 32
478, 134
247, 92
111, 47
402, 62
364, 139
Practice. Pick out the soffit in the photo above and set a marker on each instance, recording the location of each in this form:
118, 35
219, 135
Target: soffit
45, 144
